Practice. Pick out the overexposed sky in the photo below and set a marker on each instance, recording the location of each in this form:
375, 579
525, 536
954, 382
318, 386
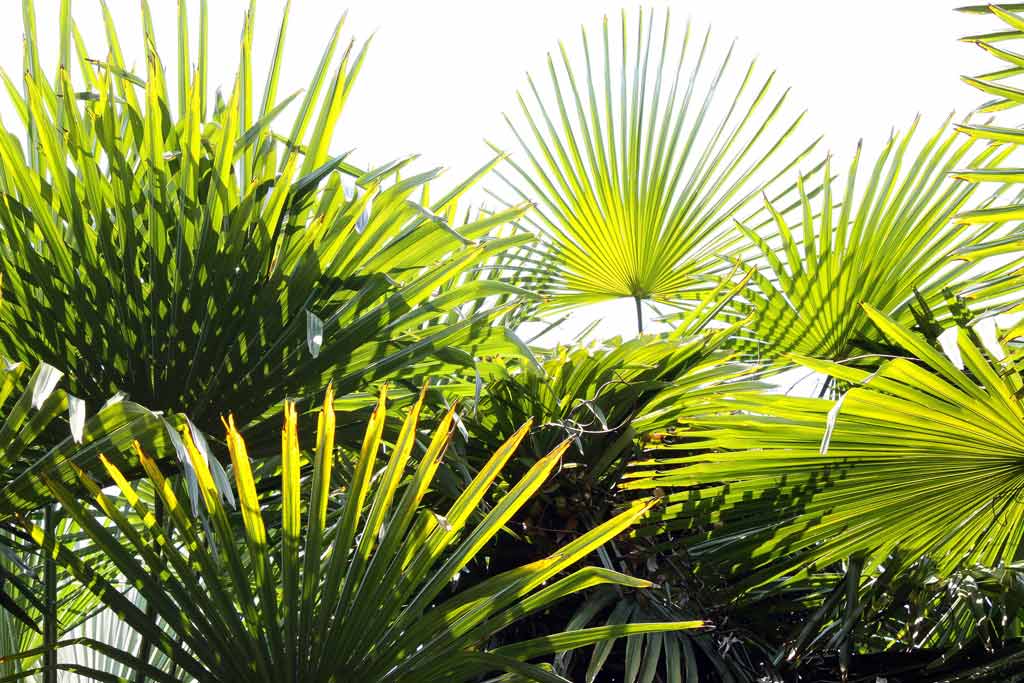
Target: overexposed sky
440, 73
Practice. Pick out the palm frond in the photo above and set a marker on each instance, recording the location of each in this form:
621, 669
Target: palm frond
1004, 282
917, 459
366, 597
639, 160
893, 241
190, 254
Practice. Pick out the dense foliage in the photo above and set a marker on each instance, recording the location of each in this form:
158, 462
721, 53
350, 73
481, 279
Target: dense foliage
184, 272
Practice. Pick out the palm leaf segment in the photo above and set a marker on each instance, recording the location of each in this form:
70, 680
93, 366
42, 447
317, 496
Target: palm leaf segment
361, 591
917, 459
998, 84
46, 430
892, 242
638, 166
1004, 280
187, 257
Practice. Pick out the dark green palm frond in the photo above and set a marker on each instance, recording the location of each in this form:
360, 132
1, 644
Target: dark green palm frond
893, 243
917, 459
639, 161
366, 594
189, 255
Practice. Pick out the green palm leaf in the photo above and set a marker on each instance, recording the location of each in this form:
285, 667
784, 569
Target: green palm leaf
917, 459
892, 242
603, 397
639, 166
1003, 282
46, 433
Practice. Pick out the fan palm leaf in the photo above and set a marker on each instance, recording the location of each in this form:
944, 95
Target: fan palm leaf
893, 242
25, 608
639, 161
917, 459
366, 597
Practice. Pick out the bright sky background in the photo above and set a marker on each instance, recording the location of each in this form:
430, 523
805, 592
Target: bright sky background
440, 73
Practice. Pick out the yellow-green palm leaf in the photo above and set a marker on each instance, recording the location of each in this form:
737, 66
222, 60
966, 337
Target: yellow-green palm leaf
917, 459
891, 240
640, 154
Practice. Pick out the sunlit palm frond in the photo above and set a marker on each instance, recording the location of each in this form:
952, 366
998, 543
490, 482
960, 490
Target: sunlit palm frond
366, 594
892, 241
917, 459
640, 155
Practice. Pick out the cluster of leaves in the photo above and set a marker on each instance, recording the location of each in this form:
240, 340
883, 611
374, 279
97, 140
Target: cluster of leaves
176, 248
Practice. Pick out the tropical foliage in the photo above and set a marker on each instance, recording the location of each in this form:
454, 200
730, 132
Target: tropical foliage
185, 270
45, 429
917, 459
364, 597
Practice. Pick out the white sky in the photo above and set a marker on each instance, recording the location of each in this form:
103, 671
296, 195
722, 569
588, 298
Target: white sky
440, 73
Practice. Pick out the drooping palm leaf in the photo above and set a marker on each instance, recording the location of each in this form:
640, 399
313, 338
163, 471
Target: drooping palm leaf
677, 656
360, 595
190, 254
918, 459
893, 242
45, 430
47, 433
639, 161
